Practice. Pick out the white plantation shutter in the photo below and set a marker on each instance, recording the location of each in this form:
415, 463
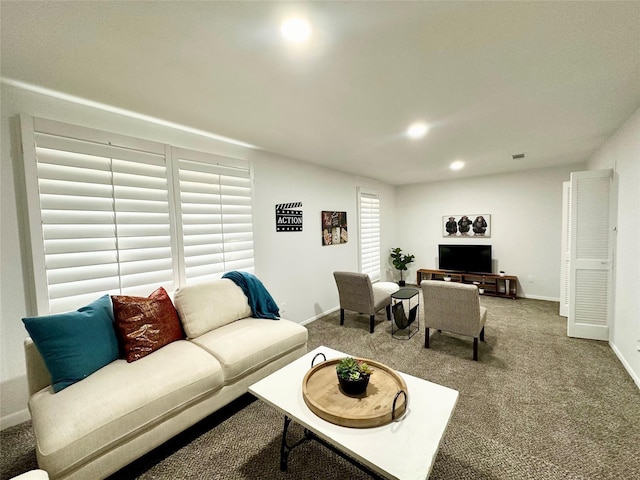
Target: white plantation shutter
216, 214
369, 241
103, 208
77, 217
104, 214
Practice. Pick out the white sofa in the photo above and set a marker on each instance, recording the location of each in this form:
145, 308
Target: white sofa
33, 475
94, 427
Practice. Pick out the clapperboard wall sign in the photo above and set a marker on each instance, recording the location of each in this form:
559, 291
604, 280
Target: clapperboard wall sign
289, 217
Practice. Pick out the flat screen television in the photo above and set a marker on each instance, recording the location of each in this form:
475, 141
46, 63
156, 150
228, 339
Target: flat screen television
465, 258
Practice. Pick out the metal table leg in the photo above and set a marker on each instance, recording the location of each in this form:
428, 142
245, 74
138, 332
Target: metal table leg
285, 449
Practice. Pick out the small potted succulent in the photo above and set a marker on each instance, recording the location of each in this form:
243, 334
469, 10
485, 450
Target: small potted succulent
353, 375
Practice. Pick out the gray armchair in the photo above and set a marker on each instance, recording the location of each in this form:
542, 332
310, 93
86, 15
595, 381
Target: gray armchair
453, 307
358, 294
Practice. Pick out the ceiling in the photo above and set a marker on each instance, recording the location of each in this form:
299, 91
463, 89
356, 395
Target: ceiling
552, 80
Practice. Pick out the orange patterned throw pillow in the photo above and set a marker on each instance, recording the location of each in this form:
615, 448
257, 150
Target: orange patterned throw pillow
145, 324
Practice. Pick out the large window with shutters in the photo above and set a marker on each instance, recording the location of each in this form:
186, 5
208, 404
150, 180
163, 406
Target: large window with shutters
369, 240
115, 214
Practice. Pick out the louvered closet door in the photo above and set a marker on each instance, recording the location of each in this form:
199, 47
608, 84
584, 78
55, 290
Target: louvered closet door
565, 256
590, 283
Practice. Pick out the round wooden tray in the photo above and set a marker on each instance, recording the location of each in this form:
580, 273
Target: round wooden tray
322, 394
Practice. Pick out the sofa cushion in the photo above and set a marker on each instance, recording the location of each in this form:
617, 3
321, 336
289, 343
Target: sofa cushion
206, 306
73, 345
145, 324
119, 401
246, 345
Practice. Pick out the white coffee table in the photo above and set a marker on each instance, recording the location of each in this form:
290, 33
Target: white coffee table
404, 449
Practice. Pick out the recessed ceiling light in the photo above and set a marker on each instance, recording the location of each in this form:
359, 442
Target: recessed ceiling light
296, 30
457, 165
417, 130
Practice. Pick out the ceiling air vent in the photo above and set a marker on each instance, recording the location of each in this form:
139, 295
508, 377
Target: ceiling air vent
518, 156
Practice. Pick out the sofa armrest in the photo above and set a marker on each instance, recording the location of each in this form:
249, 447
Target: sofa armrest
37, 373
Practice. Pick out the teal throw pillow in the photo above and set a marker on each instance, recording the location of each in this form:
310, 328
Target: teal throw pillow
75, 344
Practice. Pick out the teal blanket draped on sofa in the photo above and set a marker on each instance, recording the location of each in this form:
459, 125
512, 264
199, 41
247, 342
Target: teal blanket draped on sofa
260, 300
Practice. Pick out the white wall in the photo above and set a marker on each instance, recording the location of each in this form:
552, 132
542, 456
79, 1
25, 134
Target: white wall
622, 153
526, 220
296, 265
296, 269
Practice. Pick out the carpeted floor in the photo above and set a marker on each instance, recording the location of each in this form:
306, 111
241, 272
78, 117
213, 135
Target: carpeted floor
537, 405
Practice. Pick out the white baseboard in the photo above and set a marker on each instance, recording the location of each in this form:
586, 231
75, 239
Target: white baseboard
540, 297
626, 365
14, 397
320, 315
14, 419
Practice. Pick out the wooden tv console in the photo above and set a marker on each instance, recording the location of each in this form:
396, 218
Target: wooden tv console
493, 285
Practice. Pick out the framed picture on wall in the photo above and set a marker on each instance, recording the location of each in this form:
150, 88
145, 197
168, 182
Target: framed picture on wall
477, 225
334, 228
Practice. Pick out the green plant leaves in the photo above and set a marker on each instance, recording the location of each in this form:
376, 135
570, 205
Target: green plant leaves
400, 260
352, 369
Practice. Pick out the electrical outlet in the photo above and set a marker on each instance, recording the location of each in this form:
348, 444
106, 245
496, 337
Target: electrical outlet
532, 279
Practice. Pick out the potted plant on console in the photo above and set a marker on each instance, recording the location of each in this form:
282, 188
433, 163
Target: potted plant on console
400, 261
353, 375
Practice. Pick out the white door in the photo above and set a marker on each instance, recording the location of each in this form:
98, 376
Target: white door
565, 256
590, 255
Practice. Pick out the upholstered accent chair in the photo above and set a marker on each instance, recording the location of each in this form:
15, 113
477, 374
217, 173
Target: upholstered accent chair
358, 294
453, 307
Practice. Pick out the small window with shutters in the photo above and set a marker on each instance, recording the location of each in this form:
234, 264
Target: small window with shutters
369, 238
